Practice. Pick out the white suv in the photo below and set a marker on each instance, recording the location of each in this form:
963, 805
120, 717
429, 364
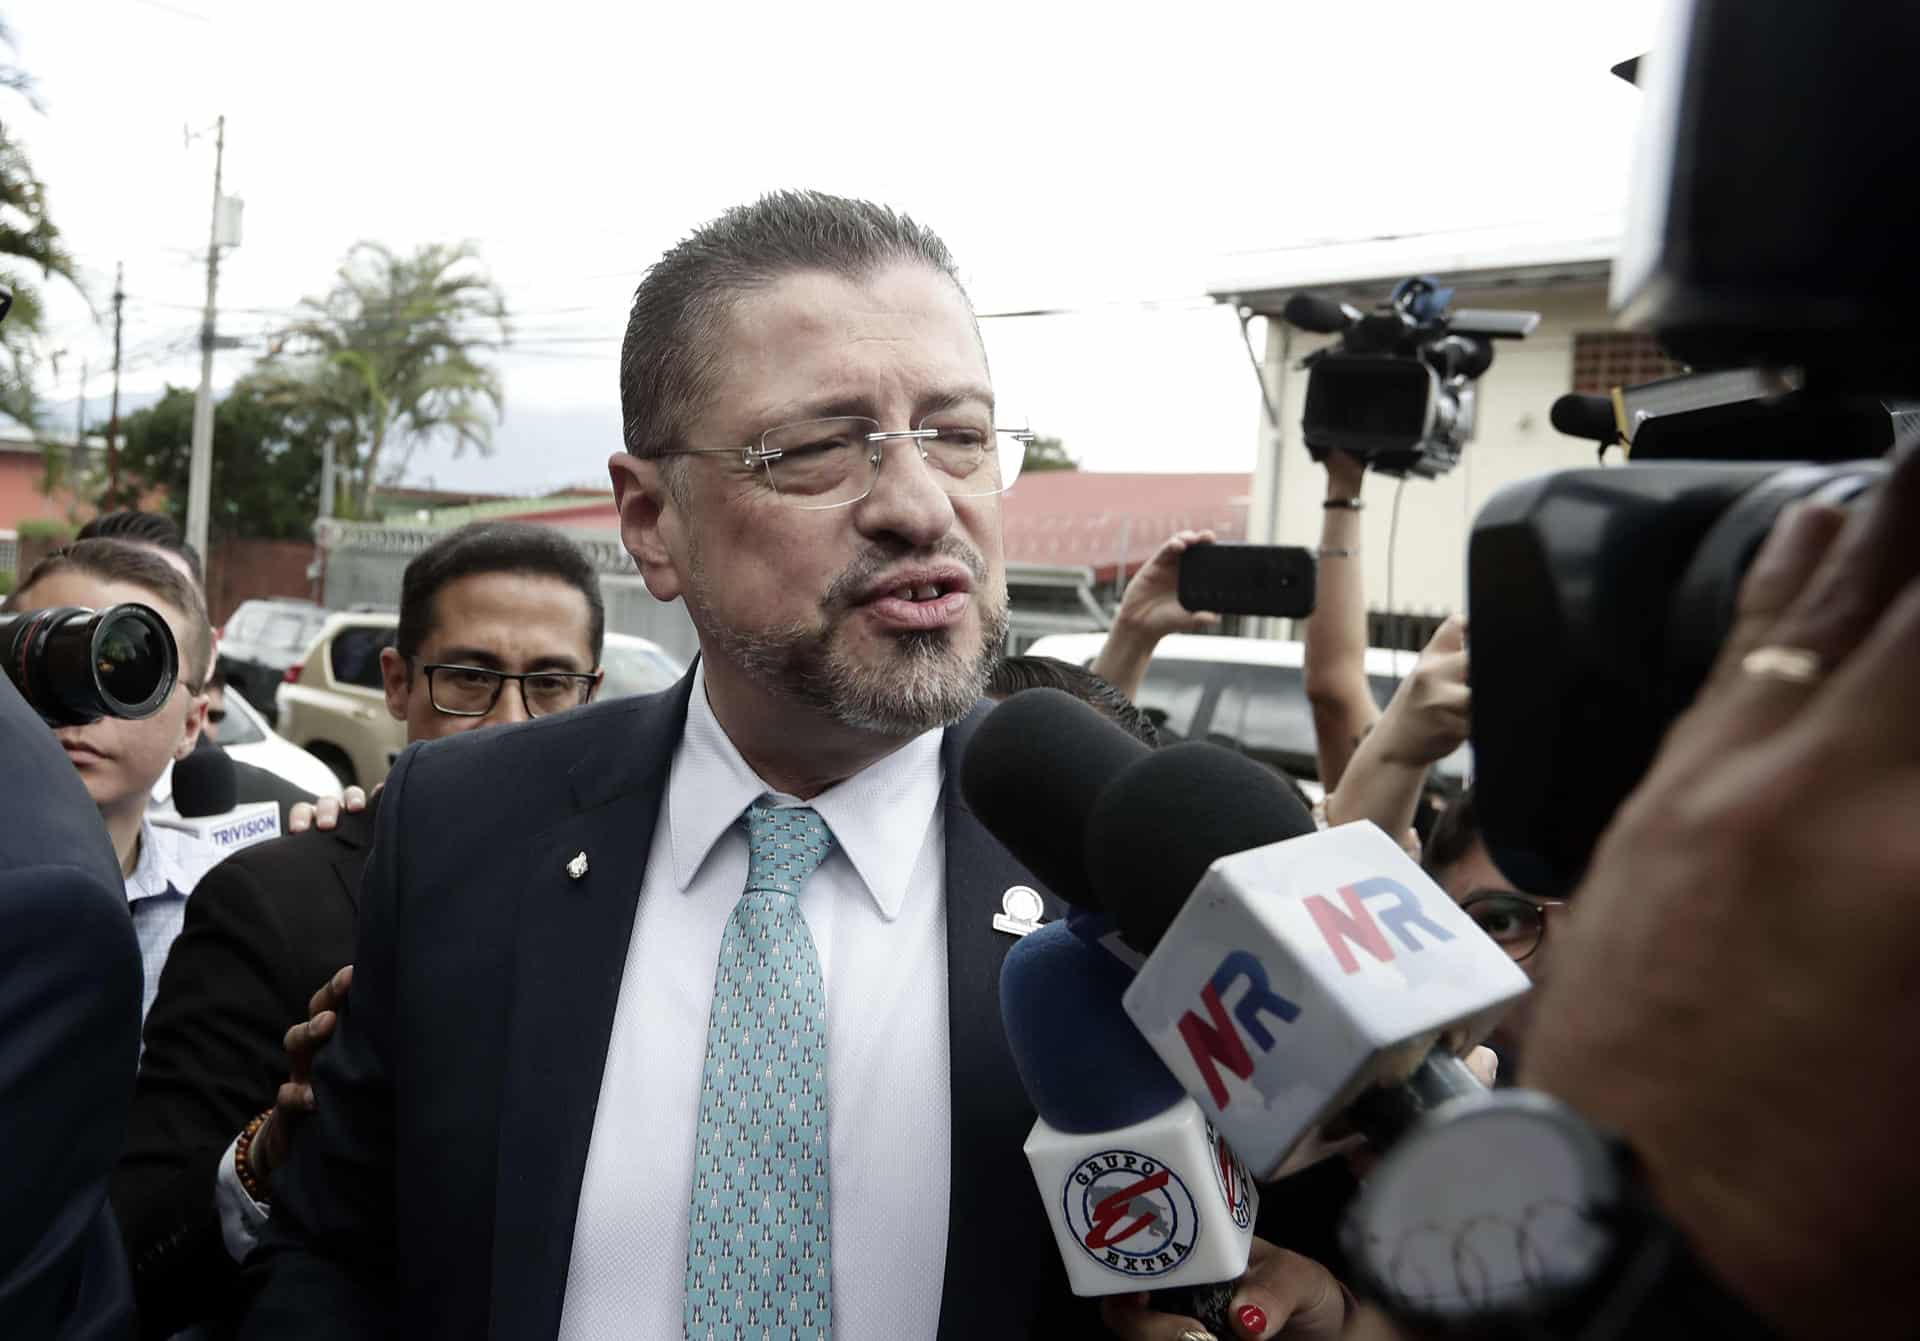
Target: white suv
1249, 694
333, 702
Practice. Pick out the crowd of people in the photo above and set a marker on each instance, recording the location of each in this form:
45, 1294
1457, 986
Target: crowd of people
676, 1015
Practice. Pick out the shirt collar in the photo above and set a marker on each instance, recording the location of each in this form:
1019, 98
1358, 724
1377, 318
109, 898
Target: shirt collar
170, 862
879, 816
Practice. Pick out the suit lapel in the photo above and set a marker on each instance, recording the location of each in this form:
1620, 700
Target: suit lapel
995, 1214
354, 835
570, 956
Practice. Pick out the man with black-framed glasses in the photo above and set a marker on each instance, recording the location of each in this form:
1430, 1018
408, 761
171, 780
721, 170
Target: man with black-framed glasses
499, 623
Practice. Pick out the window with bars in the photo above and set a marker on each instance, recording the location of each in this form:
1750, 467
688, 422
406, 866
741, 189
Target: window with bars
1603, 360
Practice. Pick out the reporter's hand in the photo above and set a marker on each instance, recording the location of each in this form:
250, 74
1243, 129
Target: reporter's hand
295, 1098
1429, 714
1344, 474
1151, 603
1283, 1294
324, 814
1754, 902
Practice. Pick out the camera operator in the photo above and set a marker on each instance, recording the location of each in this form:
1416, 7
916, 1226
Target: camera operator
1335, 655
120, 761
1750, 907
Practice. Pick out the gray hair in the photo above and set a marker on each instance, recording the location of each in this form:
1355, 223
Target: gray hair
670, 358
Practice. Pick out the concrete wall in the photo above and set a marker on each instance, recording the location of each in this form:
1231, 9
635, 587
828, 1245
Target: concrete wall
1514, 441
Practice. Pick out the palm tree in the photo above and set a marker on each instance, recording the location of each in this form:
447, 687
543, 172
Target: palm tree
26, 235
394, 354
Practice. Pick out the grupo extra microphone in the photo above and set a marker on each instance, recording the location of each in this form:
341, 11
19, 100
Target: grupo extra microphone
1589, 418
1322, 316
205, 793
1295, 980
1032, 773
1141, 1191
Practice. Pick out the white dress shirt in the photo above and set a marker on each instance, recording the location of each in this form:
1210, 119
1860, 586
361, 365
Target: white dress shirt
170, 864
876, 908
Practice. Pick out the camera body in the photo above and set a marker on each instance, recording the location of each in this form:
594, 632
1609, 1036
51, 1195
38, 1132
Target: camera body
1765, 245
1397, 391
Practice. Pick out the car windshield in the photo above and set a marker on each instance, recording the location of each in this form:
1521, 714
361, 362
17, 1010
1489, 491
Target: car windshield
240, 726
633, 669
287, 632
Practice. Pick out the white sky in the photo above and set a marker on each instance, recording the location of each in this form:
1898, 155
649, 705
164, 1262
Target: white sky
1072, 157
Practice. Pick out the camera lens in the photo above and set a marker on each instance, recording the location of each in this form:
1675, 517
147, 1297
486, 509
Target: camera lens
131, 657
75, 666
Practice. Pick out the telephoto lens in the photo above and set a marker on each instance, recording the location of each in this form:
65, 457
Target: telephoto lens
75, 666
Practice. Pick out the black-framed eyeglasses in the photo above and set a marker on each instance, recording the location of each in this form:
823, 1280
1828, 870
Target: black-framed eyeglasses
1516, 922
472, 691
831, 463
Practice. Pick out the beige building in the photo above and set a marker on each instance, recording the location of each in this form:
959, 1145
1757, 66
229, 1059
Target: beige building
1564, 278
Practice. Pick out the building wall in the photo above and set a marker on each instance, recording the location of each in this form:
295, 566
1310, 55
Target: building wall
1514, 441
20, 496
245, 570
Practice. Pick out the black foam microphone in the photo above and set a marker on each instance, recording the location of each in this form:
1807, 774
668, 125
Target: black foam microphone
1322, 316
1589, 418
204, 783
1032, 773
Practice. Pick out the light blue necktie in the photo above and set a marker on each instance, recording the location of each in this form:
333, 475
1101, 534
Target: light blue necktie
759, 1231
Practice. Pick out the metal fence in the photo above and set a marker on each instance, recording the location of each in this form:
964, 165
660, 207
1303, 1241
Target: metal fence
365, 560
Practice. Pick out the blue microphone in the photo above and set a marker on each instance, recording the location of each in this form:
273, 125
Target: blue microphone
1141, 1192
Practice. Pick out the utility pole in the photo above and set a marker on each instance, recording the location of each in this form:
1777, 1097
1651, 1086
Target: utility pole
79, 458
113, 416
200, 468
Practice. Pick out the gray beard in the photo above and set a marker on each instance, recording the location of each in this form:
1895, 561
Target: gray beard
924, 684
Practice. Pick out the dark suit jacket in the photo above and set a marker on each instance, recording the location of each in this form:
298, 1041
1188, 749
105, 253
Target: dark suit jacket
69, 1036
264, 929
433, 1193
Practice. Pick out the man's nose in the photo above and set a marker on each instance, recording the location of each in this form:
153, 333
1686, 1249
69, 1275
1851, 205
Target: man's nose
511, 706
907, 499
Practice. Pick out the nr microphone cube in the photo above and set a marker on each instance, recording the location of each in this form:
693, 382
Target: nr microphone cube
1304, 972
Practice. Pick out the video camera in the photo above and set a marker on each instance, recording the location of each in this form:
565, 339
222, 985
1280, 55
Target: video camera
1766, 246
75, 666
1397, 392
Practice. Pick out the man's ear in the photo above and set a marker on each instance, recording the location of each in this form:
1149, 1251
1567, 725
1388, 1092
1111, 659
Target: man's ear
190, 729
395, 675
648, 512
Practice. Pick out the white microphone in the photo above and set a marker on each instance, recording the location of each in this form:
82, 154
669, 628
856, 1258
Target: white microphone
1141, 1190
1300, 990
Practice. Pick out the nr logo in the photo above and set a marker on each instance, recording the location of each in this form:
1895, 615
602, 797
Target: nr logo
1220, 1038
1130, 1213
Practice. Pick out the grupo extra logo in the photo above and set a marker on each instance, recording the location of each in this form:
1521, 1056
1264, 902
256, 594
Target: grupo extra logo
1230, 1176
1130, 1213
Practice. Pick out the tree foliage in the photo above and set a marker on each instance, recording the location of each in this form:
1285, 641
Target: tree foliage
1049, 454
29, 242
266, 460
394, 356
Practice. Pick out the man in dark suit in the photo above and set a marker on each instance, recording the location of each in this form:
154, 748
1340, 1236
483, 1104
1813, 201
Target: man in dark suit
520, 1121
273, 923
69, 1036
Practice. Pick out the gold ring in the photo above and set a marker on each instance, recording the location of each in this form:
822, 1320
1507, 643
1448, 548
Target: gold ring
1795, 665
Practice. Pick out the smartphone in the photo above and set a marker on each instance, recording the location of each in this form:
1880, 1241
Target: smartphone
1248, 579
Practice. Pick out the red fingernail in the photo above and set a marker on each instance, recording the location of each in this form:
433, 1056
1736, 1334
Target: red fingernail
1252, 1319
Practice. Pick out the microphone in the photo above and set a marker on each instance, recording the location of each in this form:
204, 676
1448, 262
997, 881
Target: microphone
204, 783
1141, 1191
1588, 417
205, 793
1295, 980
1322, 316
1031, 774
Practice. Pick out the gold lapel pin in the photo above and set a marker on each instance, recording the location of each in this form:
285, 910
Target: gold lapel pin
577, 868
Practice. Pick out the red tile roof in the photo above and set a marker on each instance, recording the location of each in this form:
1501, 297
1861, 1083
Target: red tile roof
1076, 518
1101, 520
